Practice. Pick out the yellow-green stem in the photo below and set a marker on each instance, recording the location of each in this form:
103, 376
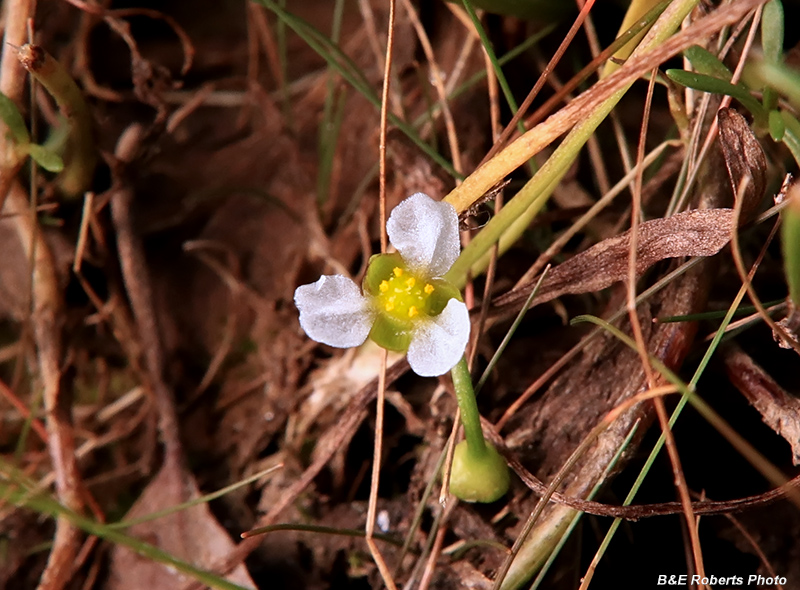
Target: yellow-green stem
80, 158
470, 418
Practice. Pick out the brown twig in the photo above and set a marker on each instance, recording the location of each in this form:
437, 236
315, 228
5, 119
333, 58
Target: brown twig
46, 315
138, 286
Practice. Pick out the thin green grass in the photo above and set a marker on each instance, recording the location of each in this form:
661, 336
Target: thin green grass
283, 57
348, 70
498, 70
332, 116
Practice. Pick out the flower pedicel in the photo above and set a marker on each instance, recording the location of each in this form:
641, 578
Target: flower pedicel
407, 306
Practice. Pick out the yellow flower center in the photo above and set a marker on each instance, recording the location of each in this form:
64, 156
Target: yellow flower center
403, 295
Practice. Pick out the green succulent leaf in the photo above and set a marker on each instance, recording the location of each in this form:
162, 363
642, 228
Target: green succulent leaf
11, 116
772, 31
706, 63
772, 45
718, 86
46, 158
777, 127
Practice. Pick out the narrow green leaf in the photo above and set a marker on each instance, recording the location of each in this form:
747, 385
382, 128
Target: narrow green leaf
717, 86
11, 116
772, 31
47, 159
791, 136
776, 126
790, 233
348, 70
772, 44
487, 47
705, 62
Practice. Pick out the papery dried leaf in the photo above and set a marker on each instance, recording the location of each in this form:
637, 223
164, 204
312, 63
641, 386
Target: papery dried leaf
745, 160
193, 535
701, 232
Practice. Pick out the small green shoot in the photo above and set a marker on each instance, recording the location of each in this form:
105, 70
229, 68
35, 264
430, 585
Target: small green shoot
45, 157
80, 154
13, 120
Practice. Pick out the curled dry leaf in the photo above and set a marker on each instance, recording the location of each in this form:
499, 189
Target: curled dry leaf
693, 233
744, 159
701, 232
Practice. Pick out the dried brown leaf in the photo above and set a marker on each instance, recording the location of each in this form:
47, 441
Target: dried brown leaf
744, 159
701, 232
193, 535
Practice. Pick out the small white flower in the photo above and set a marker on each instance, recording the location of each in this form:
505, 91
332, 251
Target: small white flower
406, 305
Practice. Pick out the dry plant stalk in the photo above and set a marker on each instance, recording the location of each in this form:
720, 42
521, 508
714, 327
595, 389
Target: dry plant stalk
46, 317
779, 409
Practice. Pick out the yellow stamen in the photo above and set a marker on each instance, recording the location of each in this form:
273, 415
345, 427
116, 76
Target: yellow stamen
428, 289
412, 312
398, 272
411, 281
384, 286
389, 305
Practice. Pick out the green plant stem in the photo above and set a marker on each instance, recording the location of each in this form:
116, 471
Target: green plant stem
81, 156
470, 418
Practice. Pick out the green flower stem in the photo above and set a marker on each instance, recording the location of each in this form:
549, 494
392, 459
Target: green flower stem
470, 418
479, 473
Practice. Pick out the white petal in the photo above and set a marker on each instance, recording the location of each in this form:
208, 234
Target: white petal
437, 345
425, 232
333, 311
